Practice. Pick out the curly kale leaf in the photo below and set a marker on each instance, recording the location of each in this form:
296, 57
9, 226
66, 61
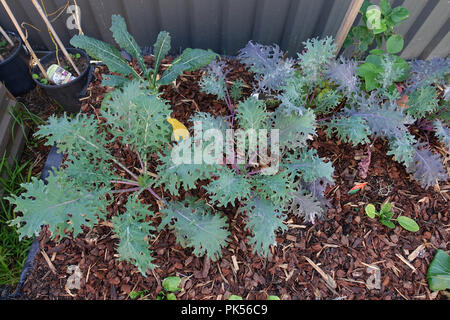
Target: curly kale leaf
271, 71
422, 102
424, 73
442, 132
304, 205
316, 58
264, 218
78, 135
307, 165
228, 187
133, 232
351, 129
251, 114
401, 147
275, 188
426, 166
60, 204
343, 74
138, 118
174, 175
294, 96
215, 80
208, 121
195, 226
294, 130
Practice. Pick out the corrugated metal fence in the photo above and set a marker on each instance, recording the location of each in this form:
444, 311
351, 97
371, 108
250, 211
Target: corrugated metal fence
226, 25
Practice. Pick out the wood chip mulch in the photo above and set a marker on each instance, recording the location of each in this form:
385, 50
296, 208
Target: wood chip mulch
344, 256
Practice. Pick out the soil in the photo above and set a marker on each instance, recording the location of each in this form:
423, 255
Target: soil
344, 256
8, 49
81, 64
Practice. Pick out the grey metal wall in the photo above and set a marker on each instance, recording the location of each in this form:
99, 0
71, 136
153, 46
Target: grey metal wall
226, 25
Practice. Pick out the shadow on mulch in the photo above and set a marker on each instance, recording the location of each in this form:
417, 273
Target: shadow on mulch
363, 259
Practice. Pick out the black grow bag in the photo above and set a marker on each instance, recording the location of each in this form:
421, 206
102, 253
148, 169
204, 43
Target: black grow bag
14, 70
67, 95
54, 160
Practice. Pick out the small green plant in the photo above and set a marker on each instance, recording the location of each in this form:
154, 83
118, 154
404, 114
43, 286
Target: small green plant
386, 217
170, 285
235, 297
138, 294
75, 56
2, 44
379, 22
41, 80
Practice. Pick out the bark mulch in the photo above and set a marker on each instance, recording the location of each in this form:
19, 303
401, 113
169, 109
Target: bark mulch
344, 256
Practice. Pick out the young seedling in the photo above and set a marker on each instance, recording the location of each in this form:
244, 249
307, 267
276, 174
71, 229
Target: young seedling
170, 286
138, 294
386, 217
41, 80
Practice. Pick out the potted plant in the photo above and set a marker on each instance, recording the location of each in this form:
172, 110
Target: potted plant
14, 70
66, 94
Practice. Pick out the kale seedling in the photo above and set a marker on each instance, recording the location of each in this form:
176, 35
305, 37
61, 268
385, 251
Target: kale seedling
386, 217
170, 286
138, 294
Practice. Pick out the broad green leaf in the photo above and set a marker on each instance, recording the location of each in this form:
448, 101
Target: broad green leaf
388, 223
438, 273
399, 14
377, 52
126, 40
386, 208
160, 49
171, 296
189, 60
385, 7
370, 211
171, 284
273, 298
394, 44
235, 297
104, 52
408, 223
110, 80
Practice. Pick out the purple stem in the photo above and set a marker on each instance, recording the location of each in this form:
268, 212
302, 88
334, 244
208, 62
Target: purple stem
313, 96
254, 172
126, 190
140, 161
125, 182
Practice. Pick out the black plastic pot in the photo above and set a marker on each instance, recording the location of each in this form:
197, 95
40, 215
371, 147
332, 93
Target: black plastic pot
15, 71
67, 95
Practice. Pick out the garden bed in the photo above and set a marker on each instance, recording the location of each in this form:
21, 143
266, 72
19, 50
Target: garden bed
362, 258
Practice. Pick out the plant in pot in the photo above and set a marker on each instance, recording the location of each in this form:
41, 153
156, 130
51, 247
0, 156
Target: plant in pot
66, 94
63, 77
14, 61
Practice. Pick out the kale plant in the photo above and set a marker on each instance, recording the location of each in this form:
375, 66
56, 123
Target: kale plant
189, 60
379, 114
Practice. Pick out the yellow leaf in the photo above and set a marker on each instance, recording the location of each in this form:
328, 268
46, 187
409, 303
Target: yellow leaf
179, 129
